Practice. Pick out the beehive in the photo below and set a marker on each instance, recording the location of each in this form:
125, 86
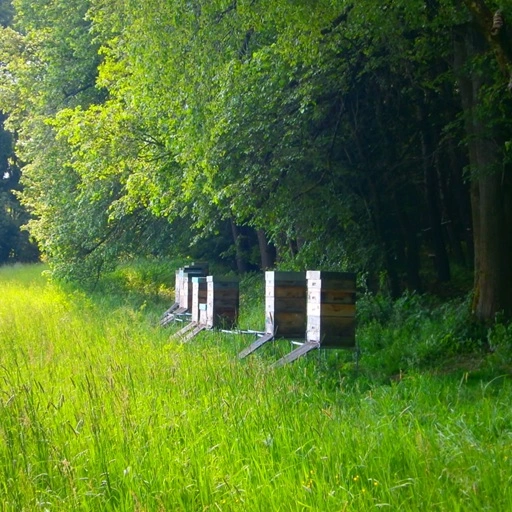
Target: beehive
199, 298
223, 297
183, 287
331, 308
285, 304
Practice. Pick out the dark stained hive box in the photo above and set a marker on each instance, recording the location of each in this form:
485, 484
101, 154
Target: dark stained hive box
285, 304
331, 308
222, 301
183, 287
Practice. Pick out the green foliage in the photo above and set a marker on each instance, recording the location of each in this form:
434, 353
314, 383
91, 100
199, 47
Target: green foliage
14, 242
6, 12
147, 127
499, 339
252, 314
415, 332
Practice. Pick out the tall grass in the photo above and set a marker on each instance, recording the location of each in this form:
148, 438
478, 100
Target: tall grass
100, 410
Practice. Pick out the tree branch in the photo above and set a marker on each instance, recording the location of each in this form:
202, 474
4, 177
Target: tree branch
494, 30
337, 21
229, 8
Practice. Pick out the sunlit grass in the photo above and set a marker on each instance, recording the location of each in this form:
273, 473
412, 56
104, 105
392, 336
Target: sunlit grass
99, 410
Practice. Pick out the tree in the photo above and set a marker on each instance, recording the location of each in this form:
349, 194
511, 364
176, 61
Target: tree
14, 242
484, 62
330, 129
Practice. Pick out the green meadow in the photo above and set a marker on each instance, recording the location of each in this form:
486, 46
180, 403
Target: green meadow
101, 410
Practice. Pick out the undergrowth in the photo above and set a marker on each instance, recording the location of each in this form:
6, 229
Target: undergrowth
102, 409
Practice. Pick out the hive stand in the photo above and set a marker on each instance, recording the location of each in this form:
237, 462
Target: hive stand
183, 291
285, 308
331, 308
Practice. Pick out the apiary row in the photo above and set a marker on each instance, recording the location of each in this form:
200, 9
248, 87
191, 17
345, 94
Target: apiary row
316, 306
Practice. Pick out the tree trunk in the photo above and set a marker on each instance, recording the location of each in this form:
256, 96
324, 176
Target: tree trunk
266, 252
494, 272
381, 226
442, 264
412, 250
491, 192
241, 261
461, 209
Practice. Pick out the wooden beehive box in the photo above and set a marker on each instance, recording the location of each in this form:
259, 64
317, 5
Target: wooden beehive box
223, 297
184, 284
331, 309
199, 297
285, 304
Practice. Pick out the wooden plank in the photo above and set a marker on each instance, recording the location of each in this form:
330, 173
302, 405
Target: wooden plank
273, 304
177, 286
199, 328
222, 300
285, 303
331, 296
299, 292
285, 284
198, 267
173, 308
199, 294
341, 281
256, 345
223, 304
221, 294
331, 309
183, 331
220, 280
342, 310
330, 323
345, 285
286, 324
170, 318
295, 354
316, 275
184, 294
285, 276
203, 318
331, 331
